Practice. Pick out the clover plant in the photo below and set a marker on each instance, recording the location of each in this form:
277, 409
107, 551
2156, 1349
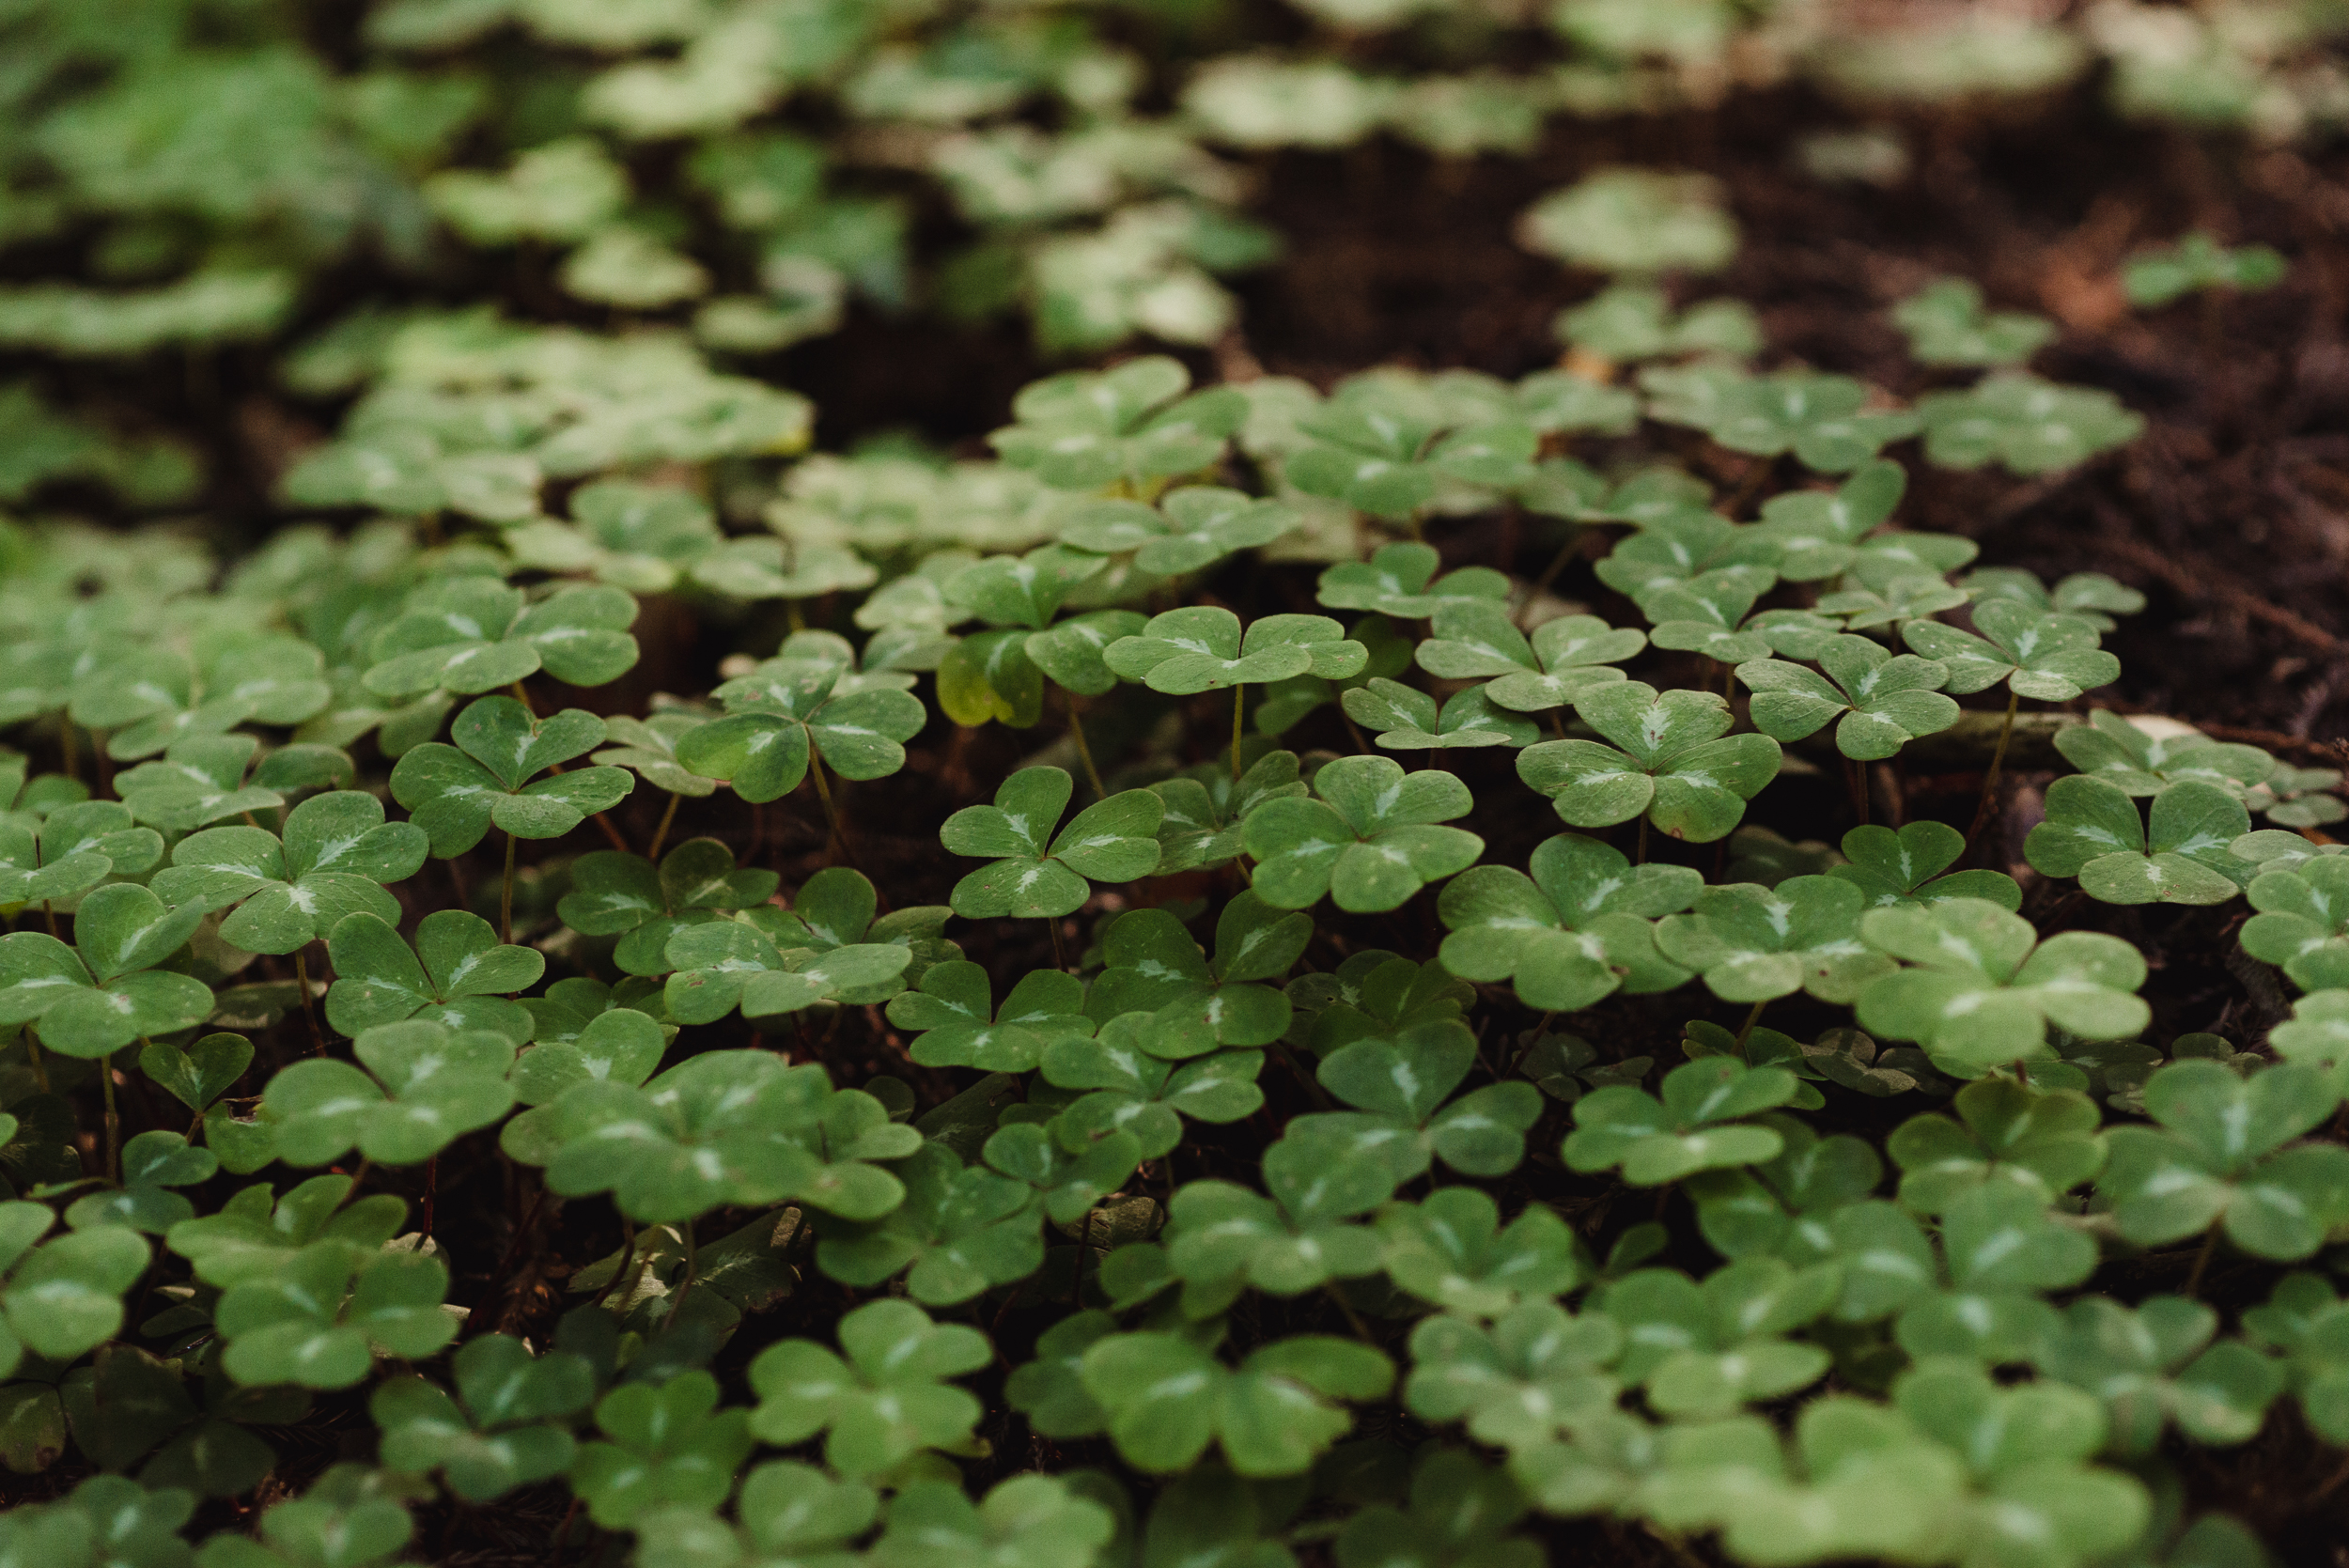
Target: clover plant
1353, 1168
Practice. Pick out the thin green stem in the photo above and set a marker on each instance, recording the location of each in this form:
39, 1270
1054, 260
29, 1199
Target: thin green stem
1997, 761
2201, 1261
32, 1059
1640, 859
661, 835
506, 896
521, 695
114, 1115
1744, 1031
832, 812
1240, 706
1060, 956
628, 1255
1084, 748
302, 982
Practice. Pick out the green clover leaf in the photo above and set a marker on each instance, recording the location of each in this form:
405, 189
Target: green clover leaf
1912, 867
2310, 1325
2033, 1498
336, 855
1886, 700
152, 1163
1029, 1521
2154, 1365
1565, 655
92, 998
1517, 1382
624, 895
1201, 648
1633, 221
2303, 921
733, 1127
2006, 1134
1752, 943
1984, 988
64, 1298
1368, 837
1124, 1087
956, 1024
2086, 595
1817, 534
1671, 761
1222, 1240
647, 747
202, 1072
1400, 1086
1206, 809
1697, 1123
457, 974
787, 1511
1889, 598
1400, 580
1582, 925
2142, 757
1680, 548
1946, 325
474, 634
2092, 831
887, 1401
2029, 426
71, 851
2224, 1152
1626, 323
1819, 418
150, 698
1197, 1002
1704, 1350
322, 1314
425, 1087
502, 1429
730, 964
208, 778
1083, 429
457, 793
2298, 797
1406, 720
792, 707
257, 1234
2047, 656
665, 1445
959, 1230
1189, 529
2004, 1249
1458, 1511
1451, 1250
1036, 873
2166, 274
1168, 1398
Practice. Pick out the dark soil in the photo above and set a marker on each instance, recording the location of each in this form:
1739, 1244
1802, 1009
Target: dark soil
2233, 516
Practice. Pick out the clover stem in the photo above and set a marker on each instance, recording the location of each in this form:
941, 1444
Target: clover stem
65, 744
1239, 705
114, 1116
1084, 748
431, 1193
302, 984
2201, 1261
832, 812
1556, 564
1997, 760
661, 835
677, 1308
32, 1060
1060, 957
628, 1255
1361, 746
1361, 1330
521, 695
506, 896
49, 913
1640, 859
1856, 782
1753, 1017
